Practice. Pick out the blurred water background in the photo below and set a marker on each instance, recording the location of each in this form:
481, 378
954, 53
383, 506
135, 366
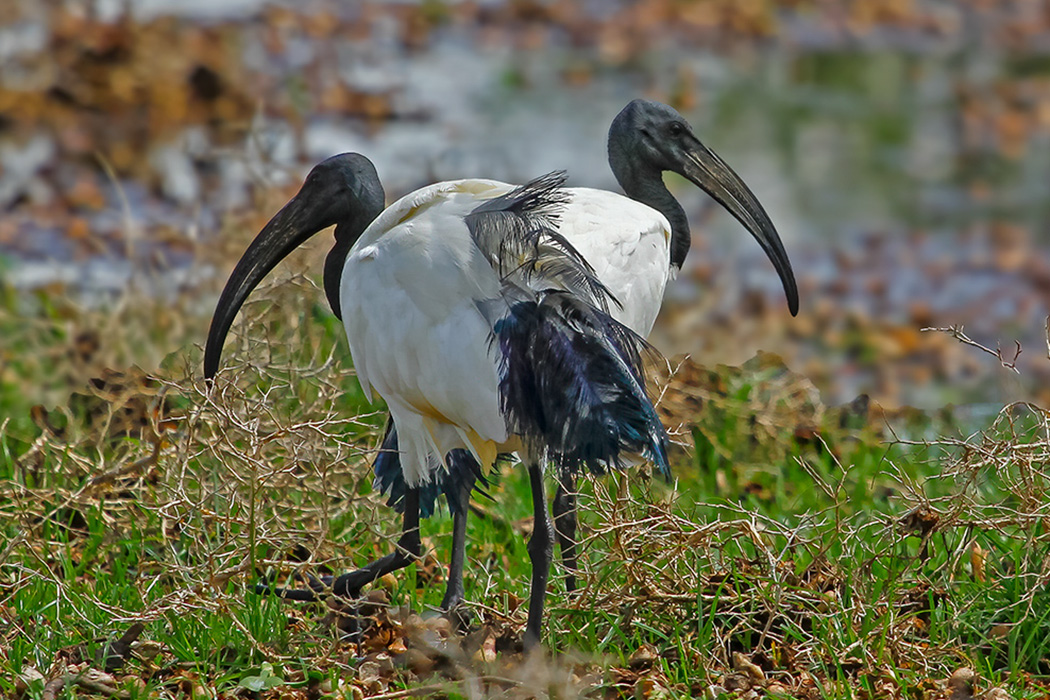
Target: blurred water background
901, 146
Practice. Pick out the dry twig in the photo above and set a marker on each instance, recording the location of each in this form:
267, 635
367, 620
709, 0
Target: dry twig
957, 333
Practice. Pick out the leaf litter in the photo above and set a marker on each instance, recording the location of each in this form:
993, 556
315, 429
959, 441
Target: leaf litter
210, 471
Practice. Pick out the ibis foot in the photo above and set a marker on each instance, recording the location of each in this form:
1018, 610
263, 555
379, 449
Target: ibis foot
353, 619
344, 591
460, 616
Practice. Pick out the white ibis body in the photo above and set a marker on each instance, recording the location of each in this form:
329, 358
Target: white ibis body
635, 244
485, 315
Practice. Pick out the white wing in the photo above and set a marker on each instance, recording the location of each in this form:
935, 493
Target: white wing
628, 245
410, 293
418, 292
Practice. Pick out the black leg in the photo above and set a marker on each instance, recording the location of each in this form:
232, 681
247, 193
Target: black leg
565, 525
541, 549
408, 550
349, 585
452, 603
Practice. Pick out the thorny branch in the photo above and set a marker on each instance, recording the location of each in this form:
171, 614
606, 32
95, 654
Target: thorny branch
1011, 364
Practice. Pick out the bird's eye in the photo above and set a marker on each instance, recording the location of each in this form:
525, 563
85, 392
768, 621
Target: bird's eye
675, 129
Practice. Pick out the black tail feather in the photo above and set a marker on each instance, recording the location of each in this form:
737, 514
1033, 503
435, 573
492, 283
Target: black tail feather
463, 470
572, 379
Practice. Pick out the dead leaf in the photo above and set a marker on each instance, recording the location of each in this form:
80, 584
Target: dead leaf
644, 657
977, 560
960, 684
745, 665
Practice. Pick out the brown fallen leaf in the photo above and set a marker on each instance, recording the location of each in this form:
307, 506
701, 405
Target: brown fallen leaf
487, 651
960, 684
999, 631
649, 687
644, 657
753, 671
977, 560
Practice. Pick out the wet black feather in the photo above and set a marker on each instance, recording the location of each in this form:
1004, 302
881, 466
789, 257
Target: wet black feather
571, 379
463, 470
518, 234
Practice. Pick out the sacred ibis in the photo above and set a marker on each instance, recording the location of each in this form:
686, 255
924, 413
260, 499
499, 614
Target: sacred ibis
635, 244
485, 315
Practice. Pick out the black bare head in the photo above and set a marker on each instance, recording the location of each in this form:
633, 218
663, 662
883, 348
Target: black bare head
647, 138
343, 191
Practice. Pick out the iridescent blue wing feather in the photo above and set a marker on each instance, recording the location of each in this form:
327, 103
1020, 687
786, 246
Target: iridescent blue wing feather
572, 378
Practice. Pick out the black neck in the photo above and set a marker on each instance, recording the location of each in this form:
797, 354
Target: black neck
646, 185
346, 234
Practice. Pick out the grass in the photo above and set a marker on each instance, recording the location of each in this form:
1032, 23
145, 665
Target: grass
803, 551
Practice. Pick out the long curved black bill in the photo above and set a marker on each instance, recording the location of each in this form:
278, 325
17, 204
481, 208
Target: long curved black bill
297, 221
710, 173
